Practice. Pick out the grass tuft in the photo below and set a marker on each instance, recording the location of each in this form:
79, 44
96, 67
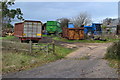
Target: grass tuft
17, 61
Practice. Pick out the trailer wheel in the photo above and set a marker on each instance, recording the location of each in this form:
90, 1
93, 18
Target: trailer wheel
36, 41
22, 41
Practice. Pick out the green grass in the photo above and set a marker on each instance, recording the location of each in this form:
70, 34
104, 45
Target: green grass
1, 37
44, 35
66, 40
8, 37
113, 55
84, 41
113, 51
13, 61
114, 63
60, 51
48, 35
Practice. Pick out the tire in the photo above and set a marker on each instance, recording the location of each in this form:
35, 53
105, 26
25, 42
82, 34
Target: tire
22, 41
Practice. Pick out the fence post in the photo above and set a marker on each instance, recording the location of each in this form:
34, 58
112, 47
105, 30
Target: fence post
53, 47
47, 48
30, 42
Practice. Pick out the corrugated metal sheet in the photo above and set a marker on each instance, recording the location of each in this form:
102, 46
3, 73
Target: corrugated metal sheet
18, 29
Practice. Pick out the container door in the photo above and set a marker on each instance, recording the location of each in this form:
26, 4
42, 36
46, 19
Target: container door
25, 33
34, 33
39, 30
32, 29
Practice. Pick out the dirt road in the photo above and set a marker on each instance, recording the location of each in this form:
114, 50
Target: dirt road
86, 62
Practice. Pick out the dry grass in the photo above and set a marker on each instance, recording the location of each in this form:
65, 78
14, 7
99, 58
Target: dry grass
14, 60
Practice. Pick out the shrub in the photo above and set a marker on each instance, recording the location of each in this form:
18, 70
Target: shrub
113, 52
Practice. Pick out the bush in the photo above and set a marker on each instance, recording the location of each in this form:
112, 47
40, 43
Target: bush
113, 52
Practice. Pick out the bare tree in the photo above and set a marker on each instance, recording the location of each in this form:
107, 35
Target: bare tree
63, 22
82, 18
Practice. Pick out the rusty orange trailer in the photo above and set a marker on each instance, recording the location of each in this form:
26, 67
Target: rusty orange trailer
73, 33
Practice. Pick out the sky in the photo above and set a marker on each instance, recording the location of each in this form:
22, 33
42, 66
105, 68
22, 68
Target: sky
46, 11
66, 0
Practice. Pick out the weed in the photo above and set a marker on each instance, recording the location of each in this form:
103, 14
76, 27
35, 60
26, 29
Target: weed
16, 61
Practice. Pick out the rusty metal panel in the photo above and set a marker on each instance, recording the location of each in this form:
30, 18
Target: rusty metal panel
81, 32
18, 29
73, 33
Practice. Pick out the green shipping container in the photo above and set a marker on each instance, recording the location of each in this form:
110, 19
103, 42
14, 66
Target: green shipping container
53, 27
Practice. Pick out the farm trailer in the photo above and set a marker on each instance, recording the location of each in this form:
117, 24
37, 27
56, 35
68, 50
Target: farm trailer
73, 33
94, 29
53, 27
28, 30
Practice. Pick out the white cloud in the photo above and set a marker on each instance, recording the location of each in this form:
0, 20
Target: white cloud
52, 11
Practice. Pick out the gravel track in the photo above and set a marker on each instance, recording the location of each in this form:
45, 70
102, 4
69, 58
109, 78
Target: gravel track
72, 66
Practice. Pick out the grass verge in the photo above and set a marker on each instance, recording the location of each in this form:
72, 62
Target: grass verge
113, 55
115, 63
8, 37
16, 61
84, 41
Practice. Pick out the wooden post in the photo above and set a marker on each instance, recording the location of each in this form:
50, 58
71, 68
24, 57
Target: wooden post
30, 42
53, 47
47, 48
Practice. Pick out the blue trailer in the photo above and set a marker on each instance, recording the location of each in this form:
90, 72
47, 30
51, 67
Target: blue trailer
97, 28
94, 29
88, 29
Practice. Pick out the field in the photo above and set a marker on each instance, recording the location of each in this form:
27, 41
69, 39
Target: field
113, 62
14, 60
85, 62
57, 38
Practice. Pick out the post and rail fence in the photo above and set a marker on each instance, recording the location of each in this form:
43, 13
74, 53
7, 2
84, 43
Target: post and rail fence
45, 48
29, 47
